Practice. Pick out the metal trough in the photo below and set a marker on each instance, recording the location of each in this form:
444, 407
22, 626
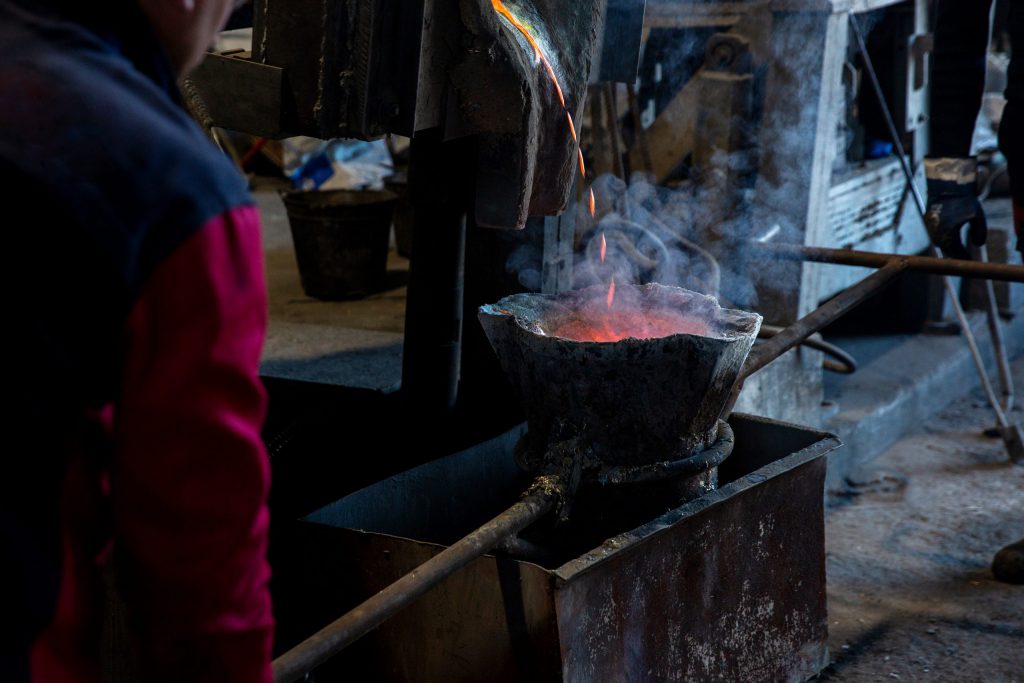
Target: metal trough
729, 586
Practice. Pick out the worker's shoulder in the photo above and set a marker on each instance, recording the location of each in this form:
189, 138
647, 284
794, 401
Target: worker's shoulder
110, 149
75, 110
98, 115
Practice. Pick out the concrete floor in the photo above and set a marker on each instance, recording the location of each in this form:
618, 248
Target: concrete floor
355, 343
910, 592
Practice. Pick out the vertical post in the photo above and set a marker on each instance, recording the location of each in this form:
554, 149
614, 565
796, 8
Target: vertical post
798, 143
559, 232
440, 184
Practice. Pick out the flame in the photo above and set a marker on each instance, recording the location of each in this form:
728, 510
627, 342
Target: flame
604, 247
611, 293
591, 205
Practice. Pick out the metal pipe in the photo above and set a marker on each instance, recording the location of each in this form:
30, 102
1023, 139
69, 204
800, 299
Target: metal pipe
712, 456
928, 264
951, 292
901, 153
996, 332
539, 500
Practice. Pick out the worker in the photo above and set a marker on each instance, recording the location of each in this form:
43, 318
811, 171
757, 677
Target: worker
958, 82
136, 311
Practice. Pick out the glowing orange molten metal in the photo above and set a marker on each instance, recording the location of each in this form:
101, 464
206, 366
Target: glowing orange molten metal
501, 9
539, 55
612, 325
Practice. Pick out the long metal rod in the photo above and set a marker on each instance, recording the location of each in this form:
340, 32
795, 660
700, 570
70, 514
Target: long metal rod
928, 264
996, 331
321, 646
638, 129
951, 292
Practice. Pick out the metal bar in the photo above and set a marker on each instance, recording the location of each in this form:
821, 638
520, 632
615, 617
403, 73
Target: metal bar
991, 310
951, 292
979, 364
929, 264
638, 129
829, 312
321, 646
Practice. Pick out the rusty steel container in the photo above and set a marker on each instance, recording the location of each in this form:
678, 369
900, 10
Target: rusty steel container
727, 587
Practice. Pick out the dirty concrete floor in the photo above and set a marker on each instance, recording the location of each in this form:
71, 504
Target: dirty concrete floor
910, 592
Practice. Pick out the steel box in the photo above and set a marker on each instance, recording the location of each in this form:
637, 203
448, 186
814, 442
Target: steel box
730, 586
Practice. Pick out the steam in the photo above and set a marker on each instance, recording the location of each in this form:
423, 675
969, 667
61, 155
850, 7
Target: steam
525, 262
649, 233
702, 233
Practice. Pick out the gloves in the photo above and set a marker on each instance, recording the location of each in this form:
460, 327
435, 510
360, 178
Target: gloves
953, 202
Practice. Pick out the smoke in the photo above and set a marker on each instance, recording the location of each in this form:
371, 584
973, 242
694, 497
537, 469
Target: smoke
649, 232
754, 175
700, 236
525, 263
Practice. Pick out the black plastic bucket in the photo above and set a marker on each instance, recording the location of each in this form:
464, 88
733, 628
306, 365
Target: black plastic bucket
341, 240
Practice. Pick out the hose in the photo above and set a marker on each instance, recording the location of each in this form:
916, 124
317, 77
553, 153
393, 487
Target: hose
844, 363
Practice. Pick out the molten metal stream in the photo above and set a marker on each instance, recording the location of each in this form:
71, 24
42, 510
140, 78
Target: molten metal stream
611, 285
504, 11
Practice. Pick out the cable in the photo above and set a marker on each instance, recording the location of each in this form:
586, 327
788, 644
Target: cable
844, 363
